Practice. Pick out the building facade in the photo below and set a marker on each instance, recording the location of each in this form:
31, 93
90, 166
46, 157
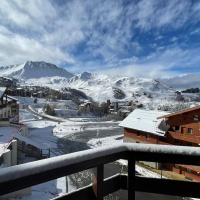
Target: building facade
9, 107
155, 127
184, 127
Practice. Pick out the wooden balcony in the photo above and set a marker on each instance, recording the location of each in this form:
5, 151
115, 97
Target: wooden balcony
29, 174
185, 137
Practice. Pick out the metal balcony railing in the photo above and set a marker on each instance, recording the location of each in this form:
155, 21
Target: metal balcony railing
29, 174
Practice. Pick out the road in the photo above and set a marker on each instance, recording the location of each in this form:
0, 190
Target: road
78, 142
48, 117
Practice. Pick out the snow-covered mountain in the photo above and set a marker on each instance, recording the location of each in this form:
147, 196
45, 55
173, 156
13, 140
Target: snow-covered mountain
34, 70
98, 86
101, 86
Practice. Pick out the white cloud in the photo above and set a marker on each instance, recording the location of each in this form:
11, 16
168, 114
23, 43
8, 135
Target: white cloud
18, 49
24, 24
44, 30
157, 14
176, 13
159, 64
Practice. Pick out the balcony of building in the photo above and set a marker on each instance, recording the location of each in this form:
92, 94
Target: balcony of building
29, 174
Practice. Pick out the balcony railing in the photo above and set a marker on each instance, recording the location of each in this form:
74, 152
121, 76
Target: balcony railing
29, 174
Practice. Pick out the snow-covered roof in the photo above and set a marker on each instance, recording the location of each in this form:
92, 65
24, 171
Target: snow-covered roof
27, 140
13, 98
2, 91
6, 135
146, 121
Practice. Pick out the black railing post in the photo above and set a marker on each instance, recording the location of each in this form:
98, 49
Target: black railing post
100, 177
131, 179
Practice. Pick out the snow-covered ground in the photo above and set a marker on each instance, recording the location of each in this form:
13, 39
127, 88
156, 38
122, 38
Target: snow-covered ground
45, 134
26, 101
25, 115
71, 127
41, 132
147, 173
141, 170
40, 135
106, 141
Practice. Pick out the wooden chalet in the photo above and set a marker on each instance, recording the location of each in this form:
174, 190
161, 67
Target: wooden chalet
9, 107
184, 127
144, 126
156, 127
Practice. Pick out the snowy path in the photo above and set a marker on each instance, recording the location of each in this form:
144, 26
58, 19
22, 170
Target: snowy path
55, 119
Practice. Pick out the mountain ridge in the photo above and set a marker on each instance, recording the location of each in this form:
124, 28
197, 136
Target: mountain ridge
99, 86
34, 69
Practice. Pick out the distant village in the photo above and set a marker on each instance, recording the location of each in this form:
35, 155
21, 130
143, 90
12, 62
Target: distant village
12, 144
86, 104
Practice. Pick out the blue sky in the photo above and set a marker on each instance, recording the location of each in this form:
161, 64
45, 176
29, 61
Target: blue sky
150, 38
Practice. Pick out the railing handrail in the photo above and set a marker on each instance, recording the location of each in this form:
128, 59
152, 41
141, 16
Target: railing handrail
52, 168
14, 172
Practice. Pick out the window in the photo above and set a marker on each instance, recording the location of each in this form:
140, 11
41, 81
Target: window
189, 130
189, 170
176, 128
195, 117
182, 129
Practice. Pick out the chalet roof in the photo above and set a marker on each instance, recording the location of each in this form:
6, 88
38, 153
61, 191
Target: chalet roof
2, 91
6, 135
12, 98
180, 112
146, 121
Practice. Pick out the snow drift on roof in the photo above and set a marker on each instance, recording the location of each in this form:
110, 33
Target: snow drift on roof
146, 121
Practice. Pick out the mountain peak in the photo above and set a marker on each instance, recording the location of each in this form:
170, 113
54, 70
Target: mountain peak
38, 63
34, 69
85, 76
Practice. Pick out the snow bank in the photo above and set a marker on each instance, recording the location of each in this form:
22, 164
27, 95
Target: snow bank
41, 134
6, 135
106, 141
